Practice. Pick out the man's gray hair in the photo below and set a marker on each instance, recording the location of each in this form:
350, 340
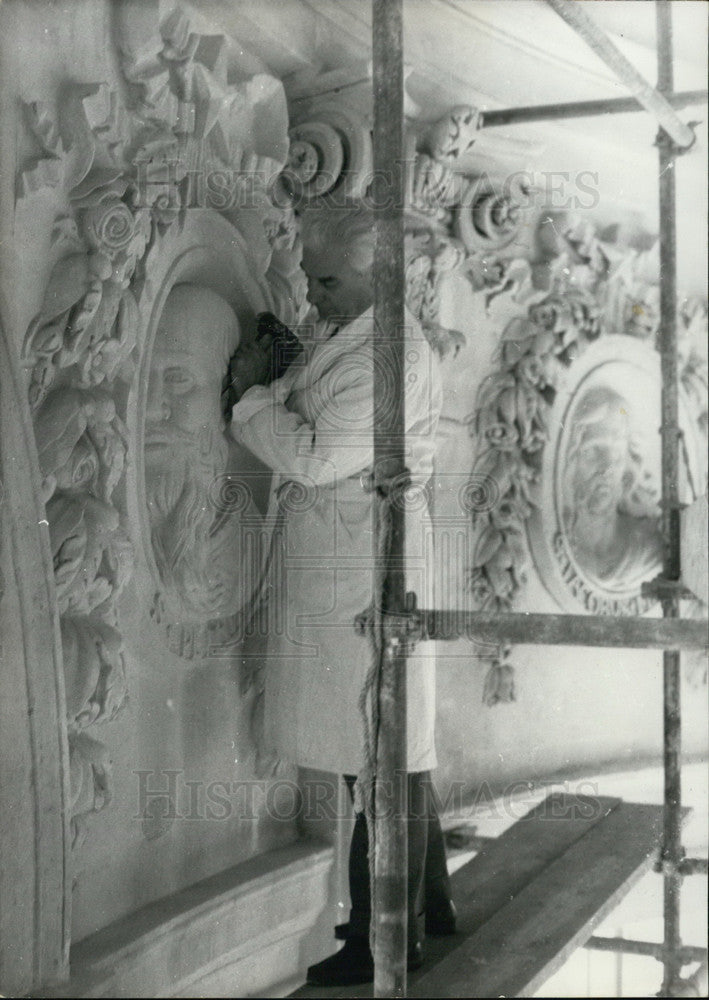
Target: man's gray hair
350, 226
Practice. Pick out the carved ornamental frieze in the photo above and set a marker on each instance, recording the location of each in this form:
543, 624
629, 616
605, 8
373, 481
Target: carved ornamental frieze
172, 222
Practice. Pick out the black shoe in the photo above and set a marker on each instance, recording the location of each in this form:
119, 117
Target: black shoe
441, 920
354, 964
351, 965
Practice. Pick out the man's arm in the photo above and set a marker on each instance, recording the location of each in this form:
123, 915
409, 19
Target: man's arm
340, 443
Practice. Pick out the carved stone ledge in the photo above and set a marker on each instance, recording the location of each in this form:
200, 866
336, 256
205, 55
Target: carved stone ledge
239, 933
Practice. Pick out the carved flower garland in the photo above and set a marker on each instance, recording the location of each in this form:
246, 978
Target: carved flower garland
511, 423
592, 288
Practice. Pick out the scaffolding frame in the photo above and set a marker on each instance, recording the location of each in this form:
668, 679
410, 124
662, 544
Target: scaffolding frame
396, 619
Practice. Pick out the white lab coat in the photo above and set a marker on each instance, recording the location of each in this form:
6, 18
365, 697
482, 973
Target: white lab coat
313, 427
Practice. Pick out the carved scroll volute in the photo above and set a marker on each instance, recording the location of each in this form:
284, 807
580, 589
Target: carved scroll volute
490, 217
34, 922
330, 154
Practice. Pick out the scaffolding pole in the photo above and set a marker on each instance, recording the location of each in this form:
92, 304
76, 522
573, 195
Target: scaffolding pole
627, 946
390, 802
672, 719
583, 109
561, 630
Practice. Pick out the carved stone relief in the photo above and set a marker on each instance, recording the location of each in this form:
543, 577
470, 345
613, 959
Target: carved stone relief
180, 222
182, 151
200, 530
183, 447
563, 425
600, 489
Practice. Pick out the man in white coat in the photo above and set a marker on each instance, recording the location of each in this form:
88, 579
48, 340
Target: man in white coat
314, 428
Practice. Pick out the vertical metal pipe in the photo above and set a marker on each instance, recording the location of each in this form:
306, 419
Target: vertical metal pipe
672, 833
391, 863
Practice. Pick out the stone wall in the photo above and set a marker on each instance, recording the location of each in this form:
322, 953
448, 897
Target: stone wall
149, 169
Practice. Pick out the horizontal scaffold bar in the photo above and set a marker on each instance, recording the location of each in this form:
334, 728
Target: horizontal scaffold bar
584, 109
687, 953
564, 630
693, 866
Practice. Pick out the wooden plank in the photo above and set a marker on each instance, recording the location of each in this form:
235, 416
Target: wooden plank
495, 876
501, 870
526, 941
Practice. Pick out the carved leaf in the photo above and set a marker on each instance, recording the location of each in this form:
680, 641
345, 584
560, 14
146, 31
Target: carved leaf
44, 127
488, 543
90, 775
68, 283
499, 686
94, 670
69, 538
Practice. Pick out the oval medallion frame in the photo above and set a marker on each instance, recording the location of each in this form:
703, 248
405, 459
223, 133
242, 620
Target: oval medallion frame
209, 251
614, 367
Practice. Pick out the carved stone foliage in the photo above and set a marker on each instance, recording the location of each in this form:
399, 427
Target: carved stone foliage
579, 338
428, 259
130, 167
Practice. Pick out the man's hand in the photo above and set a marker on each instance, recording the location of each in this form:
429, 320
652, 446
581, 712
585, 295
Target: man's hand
282, 345
261, 361
248, 366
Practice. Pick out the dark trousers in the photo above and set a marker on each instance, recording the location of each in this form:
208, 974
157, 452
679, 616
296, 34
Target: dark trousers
428, 882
